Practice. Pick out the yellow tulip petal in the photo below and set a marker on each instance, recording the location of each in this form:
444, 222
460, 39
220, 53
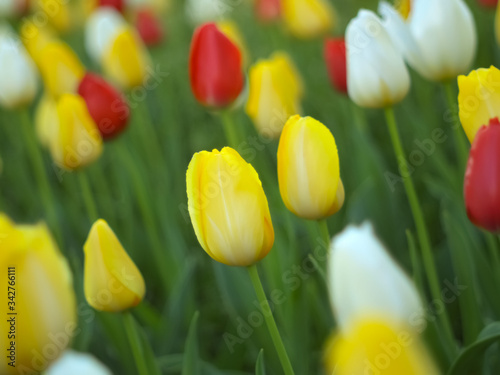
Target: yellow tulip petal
308, 18
57, 12
46, 120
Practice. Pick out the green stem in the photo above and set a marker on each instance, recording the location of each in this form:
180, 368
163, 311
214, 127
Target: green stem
461, 145
36, 158
88, 197
135, 343
270, 322
230, 130
325, 233
423, 236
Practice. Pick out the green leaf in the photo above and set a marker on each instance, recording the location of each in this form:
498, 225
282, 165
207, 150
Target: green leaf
191, 363
472, 356
260, 369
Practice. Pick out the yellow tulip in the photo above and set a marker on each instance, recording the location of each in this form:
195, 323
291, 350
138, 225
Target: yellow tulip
44, 299
308, 169
35, 38
404, 7
497, 24
58, 13
308, 18
46, 119
478, 99
373, 347
112, 281
228, 208
275, 92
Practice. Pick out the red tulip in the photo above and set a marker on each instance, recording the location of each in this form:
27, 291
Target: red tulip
268, 10
482, 178
119, 5
488, 3
106, 105
149, 27
336, 64
215, 67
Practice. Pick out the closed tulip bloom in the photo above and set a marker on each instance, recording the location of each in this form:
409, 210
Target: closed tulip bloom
44, 301
215, 67
149, 27
105, 104
377, 76
112, 281
228, 208
439, 47
308, 169
230, 29
478, 99
482, 178
268, 10
76, 363
275, 93
308, 18
58, 13
46, 120
18, 78
366, 283
336, 62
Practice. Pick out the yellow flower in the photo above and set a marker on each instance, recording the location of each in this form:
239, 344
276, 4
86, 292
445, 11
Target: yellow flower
478, 99
44, 298
112, 281
308, 169
69, 132
375, 347
57, 12
35, 37
275, 92
308, 18
228, 208
403, 7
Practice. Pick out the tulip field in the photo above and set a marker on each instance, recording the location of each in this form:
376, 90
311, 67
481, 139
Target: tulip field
236, 187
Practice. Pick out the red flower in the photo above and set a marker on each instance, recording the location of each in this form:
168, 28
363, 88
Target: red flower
106, 105
149, 27
215, 67
119, 5
488, 3
482, 178
268, 10
336, 64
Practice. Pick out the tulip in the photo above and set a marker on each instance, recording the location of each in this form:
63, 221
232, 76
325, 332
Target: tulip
149, 27
230, 29
404, 7
482, 178
478, 99
18, 78
376, 347
215, 67
308, 18
228, 208
376, 73
57, 12
488, 3
202, 11
44, 298
112, 282
439, 39
308, 169
366, 283
335, 58
275, 92
35, 38
46, 120
76, 363
106, 105
268, 10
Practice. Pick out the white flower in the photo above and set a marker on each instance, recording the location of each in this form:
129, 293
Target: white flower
18, 77
75, 363
439, 38
376, 73
201, 11
366, 283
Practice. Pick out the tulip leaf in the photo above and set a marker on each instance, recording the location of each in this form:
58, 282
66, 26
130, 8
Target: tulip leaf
191, 363
472, 356
259, 365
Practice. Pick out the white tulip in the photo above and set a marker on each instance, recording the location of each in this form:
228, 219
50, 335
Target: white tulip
101, 29
376, 73
366, 283
201, 11
75, 363
439, 38
18, 77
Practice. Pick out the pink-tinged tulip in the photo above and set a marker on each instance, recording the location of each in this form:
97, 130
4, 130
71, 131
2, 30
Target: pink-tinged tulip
149, 27
482, 178
215, 67
336, 63
268, 10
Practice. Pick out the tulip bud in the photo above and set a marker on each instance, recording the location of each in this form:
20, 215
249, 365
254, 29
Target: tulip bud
215, 67
482, 178
46, 120
275, 92
106, 105
149, 27
112, 281
478, 99
308, 169
335, 58
18, 78
268, 10
44, 298
376, 73
438, 47
230, 29
366, 283
76, 363
308, 18
228, 208
57, 12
